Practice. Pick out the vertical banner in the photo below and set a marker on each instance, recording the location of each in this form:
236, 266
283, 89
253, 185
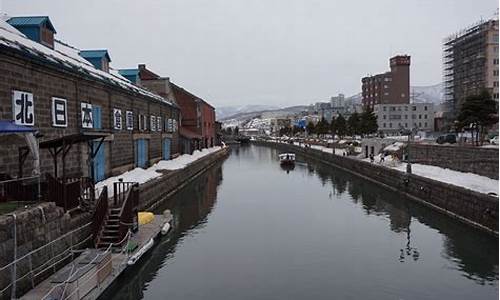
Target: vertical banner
130, 120
23, 108
117, 119
59, 112
152, 123
159, 125
86, 112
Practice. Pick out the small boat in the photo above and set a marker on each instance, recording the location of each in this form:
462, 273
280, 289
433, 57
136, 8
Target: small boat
287, 158
145, 248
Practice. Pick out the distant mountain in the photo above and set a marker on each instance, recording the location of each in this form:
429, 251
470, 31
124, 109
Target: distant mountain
226, 111
431, 93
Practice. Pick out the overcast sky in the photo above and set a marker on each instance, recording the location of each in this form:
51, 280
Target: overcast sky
277, 52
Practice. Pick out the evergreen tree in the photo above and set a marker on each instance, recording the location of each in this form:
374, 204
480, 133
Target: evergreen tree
479, 112
333, 127
236, 130
341, 126
322, 127
353, 124
311, 129
368, 122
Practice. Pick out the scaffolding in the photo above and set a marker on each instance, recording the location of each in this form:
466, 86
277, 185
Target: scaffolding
465, 64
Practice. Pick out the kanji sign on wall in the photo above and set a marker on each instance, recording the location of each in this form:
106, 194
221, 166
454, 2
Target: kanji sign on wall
159, 125
23, 108
130, 120
86, 111
117, 119
152, 123
59, 112
170, 125
174, 125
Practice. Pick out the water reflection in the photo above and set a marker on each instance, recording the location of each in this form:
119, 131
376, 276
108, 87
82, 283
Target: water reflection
475, 253
268, 232
191, 208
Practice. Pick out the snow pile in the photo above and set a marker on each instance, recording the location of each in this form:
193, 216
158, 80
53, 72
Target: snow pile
394, 147
141, 175
470, 181
183, 160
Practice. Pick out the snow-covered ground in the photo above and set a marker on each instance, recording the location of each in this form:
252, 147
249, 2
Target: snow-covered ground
141, 175
471, 181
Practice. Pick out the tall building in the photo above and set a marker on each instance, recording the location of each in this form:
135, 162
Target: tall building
391, 87
470, 64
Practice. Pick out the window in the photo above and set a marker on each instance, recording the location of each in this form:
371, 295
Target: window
425, 116
425, 107
413, 117
419, 124
406, 125
385, 117
384, 125
406, 108
425, 124
420, 116
413, 108
393, 108
385, 108
390, 125
385, 86
495, 83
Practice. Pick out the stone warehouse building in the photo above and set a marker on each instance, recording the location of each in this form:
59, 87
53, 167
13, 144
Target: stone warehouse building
391, 87
102, 123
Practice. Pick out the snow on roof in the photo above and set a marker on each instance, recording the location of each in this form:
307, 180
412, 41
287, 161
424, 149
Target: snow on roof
394, 147
68, 57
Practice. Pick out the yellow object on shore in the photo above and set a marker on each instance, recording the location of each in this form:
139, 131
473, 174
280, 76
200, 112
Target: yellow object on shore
145, 217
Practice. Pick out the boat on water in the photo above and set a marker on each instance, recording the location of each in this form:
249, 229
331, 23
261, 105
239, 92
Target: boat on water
287, 158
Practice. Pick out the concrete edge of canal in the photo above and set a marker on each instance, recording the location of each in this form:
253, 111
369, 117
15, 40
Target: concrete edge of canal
473, 208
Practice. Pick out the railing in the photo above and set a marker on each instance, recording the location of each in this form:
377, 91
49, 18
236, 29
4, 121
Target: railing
34, 274
25, 189
100, 213
120, 190
69, 193
128, 211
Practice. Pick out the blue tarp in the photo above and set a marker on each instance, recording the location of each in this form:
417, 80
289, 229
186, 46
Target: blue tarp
11, 127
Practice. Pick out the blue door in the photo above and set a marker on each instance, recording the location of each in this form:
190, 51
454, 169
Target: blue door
99, 163
166, 148
141, 153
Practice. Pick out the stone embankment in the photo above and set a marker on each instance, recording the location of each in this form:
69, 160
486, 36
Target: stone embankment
476, 209
47, 224
481, 161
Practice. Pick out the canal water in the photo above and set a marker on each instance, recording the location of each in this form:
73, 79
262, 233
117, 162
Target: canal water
249, 229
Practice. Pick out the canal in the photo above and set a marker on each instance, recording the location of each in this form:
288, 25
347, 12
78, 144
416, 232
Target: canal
248, 229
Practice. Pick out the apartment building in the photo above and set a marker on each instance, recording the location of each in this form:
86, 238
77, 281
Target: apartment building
392, 118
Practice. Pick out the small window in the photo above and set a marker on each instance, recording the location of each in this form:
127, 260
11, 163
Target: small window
413, 108
420, 116
390, 125
425, 107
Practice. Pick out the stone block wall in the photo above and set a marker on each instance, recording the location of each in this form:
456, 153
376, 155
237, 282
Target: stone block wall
473, 208
481, 161
36, 227
152, 192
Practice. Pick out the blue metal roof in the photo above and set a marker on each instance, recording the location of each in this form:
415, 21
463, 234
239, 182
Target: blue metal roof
95, 54
128, 72
11, 127
31, 21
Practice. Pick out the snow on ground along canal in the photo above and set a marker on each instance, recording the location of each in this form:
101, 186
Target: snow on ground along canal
248, 229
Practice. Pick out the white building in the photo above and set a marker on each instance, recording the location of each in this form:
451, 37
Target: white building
392, 118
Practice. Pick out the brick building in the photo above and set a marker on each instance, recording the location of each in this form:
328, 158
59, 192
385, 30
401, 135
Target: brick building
110, 124
391, 87
197, 121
